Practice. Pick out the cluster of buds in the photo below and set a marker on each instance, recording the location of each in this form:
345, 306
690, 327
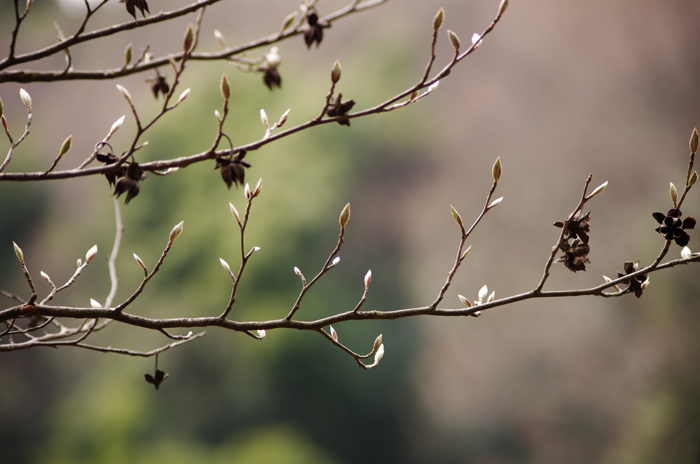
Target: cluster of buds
575, 244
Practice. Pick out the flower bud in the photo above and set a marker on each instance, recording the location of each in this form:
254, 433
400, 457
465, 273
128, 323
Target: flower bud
439, 18
65, 146
128, 54
673, 191
335, 73
685, 253
502, 7
495, 202
263, 118
288, 21
497, 169
92, 252
335, 261
189, 39
140, 261
693, 178
377, 343
694, 141
234, 211
225, 265
466, 252
344, 216
368, 279
125, 93
26, 99
225, 89
19, 252
177, 230
454, 40
117, 124
182, 97
598, 190
95, 304
220, 38
464, 301
456, 217
261, 333
334, 334
258, 188
380, 354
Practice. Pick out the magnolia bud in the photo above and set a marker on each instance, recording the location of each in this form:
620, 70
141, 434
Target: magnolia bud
335, 73
694, 141
189, 38
344, 216
92, 252
497, 169
128, 54
439, 18
26, 99
225, 89
454, 40
65, 146
177, 230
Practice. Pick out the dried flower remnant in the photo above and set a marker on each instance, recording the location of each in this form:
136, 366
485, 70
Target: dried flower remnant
673, 228
314, 34
160, 86
156, 379
131, 6
577, 227
272, 78
575, 255
339, 108
129, 184
636, 284
233, 170
110, 158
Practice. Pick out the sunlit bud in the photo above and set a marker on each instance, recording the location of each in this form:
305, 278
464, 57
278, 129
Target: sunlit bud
92, 252
246, 190
288, 21
380, 354
456, 217
261, 333
335, 261
254, 249
225, 265
283, 118
79, 262
497, 169
476, 314
334, 334
377, 343
95, 304
29, 5
483, 292
45, 276
273, 57
217, 115
258, 188
220, 37
368, 279
466, 252
225, 89
433, 86
117, 124
344, 216
263, 118
694, 141
335, 73
693, 178
491, 297
19, 252
234, 211
183, 95
177, 230
475, 38
297, 271
140, 261
439, 18
645, 284
598, 190
685, 253
189, 38
26, 99
464, 301
454, 40
608, 279
503, 6
125, 93
674, 193
65, 146
495, 202
128, 54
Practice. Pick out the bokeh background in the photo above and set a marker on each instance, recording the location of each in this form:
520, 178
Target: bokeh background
559, 91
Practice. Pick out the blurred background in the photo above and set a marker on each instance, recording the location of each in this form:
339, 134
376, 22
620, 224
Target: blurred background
559, 91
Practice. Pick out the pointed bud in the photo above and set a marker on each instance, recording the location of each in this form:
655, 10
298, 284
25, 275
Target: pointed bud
92, 252
283, 118
380, 354
225, 265
183, 95
288, 21
335, 261
19, 252
598, 190
464, 301
377, 343
234, 211
693, 178
497, 169
128, 55
608, 279
466, 252
456, 217
335, 73
246, 191
220, 37
177, 230
502, 7
26, 99
694, 141
334, 334
125, 93
344, 216
483, 291
217, 115
495, 202
140, 261
475, 38
65, 146
673, 191
95, 304
432, 87
263, 118
117, 124
189, 39
413, 95
297, 271
439, 18
454, 40
491, 297
79, 262
368, 279
254, 249
225, 89
258, 188
686, 253
46, 277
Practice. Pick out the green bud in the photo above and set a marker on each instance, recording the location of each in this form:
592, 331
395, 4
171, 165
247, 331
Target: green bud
454, 40
335, 73
694, 141
18, 252
225, 88
693, 178
288, 21
456, 217
65, 146
177, 230
189, 38
439, 18
128, 54
502, 7
497, 169
344, 216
